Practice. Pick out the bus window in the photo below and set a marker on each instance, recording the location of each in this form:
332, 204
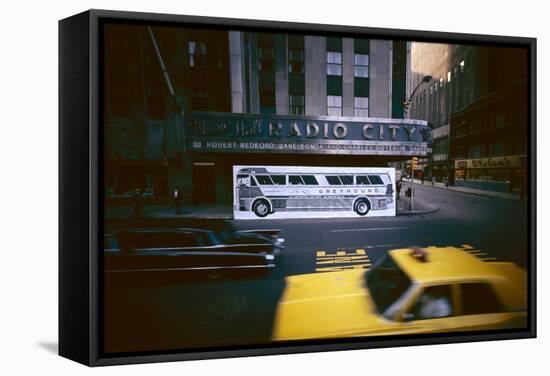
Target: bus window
264, 180
295, 180
346, 179
278, 179
334, 180
362, 180
375, 179
310, 180
243, 180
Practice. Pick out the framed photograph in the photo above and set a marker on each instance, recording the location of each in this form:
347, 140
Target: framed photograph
240, 187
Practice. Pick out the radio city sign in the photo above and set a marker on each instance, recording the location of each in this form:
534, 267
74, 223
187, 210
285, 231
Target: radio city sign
305, 134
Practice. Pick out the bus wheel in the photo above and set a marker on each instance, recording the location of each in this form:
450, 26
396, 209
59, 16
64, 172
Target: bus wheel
261, 208
362, 207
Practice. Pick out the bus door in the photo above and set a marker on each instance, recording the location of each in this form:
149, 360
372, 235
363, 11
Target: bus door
243, 185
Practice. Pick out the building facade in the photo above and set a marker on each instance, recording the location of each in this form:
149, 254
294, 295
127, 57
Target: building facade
476, 103
182, 106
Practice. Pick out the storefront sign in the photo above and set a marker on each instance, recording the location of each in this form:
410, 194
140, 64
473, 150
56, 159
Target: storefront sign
228, 132
496, 162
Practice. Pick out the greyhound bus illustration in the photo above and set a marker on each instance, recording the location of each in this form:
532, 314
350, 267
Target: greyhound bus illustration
265, 190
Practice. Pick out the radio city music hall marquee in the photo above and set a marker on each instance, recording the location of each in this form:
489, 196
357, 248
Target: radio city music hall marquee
229, 132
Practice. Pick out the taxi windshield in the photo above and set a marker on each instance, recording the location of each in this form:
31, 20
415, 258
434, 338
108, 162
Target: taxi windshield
386, 283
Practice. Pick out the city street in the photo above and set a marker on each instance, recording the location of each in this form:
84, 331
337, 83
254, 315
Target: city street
190, 314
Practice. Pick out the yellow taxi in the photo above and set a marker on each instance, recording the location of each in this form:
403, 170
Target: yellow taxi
408, 291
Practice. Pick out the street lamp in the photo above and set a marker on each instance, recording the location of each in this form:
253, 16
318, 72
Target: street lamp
407, 102
406, 106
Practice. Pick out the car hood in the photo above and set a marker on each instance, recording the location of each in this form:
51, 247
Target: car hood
326, 305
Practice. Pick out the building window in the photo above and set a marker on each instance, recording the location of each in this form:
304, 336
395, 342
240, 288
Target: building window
361, 65
267, 102
266, 56
199, 99
334, 105
197, 54
297, 104
295, 60
334, 63
475, 150
362, 106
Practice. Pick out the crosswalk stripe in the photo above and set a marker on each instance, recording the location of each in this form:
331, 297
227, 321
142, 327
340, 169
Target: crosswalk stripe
350, 257
341, 253
467, 246
360, 251
488, 258
321, 253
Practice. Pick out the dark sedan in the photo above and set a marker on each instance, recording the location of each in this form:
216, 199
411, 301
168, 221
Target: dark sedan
213, 248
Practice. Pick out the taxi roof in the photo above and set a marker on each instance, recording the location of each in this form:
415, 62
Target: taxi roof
448, 263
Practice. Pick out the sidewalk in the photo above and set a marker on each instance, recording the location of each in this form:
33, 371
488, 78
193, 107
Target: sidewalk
419, 206
478, 192
125, 212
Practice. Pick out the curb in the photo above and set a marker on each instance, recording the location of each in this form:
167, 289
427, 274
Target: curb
406, 213
482, 194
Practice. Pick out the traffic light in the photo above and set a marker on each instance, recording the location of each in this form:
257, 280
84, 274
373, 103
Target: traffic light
414, 163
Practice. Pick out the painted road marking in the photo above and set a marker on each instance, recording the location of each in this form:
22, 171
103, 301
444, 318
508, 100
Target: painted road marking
477, 253
342, 259
368, 229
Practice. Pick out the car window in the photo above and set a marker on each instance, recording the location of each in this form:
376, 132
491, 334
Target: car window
434, 302
479, 298
386, 283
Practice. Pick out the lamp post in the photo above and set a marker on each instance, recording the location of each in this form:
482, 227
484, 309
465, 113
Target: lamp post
407, 102
406, 106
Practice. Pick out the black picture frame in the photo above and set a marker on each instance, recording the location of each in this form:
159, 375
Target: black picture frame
80, 192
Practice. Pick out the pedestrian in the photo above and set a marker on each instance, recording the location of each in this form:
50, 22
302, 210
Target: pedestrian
138, 204
176, 197
422, 178
433, 180
398, 189
446, 182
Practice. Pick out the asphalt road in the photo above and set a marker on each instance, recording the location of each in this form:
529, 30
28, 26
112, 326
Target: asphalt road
195, 314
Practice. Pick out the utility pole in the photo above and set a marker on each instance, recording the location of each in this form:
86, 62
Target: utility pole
414, 161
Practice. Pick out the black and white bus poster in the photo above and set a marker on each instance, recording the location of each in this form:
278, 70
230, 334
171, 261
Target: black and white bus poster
313, 192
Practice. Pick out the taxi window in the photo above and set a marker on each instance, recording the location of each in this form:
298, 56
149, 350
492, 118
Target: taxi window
479, 298
434, 302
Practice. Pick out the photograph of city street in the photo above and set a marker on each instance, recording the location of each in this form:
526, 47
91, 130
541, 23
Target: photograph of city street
265, 187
